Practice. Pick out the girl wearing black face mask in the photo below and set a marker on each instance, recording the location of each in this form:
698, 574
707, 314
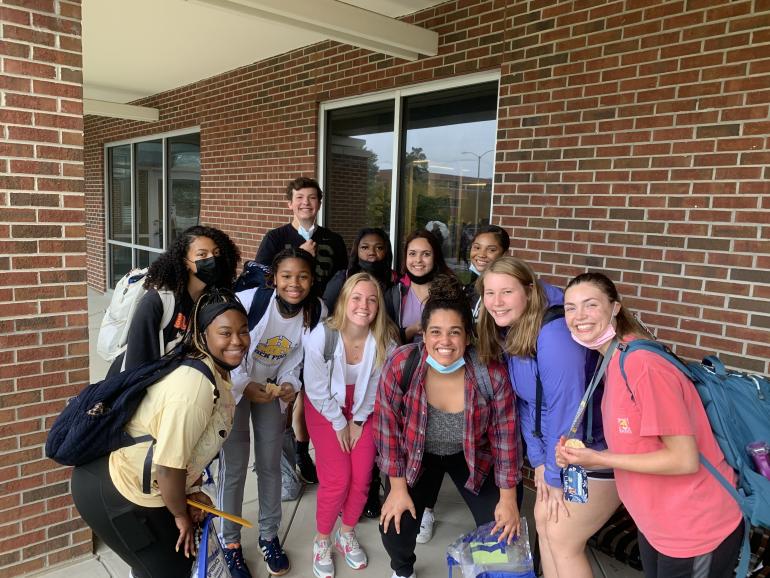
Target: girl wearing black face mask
371, 253
404, 302
200, 257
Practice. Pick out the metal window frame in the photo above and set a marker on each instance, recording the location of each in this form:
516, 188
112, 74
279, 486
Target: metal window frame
398, 95
132, 142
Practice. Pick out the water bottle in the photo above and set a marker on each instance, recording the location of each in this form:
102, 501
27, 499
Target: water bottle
760, 454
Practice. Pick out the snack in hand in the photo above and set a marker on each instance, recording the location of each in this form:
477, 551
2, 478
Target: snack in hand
272, 388
574, 443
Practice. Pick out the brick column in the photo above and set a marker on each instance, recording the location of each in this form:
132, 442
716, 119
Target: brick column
43, 306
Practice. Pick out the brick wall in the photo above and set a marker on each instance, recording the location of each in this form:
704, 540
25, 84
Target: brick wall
632, 137
43, 309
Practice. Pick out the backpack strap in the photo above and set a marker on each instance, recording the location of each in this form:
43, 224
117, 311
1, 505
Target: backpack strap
259, 305
745, 558
147, 468
409, 368
551, 314
654, 347
664, 351
169, 304
331, 337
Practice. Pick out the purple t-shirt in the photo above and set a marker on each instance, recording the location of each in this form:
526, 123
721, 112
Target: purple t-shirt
411, 313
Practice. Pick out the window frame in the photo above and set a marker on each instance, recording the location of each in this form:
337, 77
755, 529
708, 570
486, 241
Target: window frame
398, 95
163, 137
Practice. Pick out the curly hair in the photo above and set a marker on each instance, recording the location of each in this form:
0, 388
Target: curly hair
169, 270
447, 292
303, 183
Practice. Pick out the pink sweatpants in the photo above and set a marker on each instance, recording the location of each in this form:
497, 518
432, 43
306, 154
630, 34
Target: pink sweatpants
343, 479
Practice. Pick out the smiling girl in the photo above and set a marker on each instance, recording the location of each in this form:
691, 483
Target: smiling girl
189, 416
268, 379
422, 261
656, 428
489, 243
200, 257
441, 419
512, 323
339, 400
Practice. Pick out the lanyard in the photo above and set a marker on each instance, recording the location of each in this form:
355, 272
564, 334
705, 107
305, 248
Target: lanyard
591, 388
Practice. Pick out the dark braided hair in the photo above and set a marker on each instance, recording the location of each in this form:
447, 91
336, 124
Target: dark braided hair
213, 301
169, 270
447, 292
311, 301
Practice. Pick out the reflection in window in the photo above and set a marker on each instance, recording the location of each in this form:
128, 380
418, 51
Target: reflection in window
119, 167
359, 165
148, 187
140, 225
448, 165
184, 183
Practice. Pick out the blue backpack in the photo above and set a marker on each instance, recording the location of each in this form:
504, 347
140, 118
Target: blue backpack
738, 408
92, 424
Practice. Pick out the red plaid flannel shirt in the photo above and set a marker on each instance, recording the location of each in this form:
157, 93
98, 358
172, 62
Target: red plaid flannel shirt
400, 422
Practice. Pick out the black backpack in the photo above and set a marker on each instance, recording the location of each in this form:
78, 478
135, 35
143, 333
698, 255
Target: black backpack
92, 424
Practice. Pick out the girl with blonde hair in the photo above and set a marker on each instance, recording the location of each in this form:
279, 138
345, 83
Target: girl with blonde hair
340, 391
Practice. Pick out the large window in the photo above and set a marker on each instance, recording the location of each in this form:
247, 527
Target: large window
443, 142
153, 193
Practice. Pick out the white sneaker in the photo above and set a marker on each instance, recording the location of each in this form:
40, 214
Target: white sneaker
426, 527
394, 575
348, 545
323, 565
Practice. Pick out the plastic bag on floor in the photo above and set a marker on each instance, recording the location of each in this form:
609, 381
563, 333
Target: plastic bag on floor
210, 561
480, 555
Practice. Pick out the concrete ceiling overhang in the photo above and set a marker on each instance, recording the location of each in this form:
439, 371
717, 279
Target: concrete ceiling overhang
137, 48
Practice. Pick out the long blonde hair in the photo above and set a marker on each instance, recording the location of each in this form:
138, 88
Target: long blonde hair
521, 337
382, 328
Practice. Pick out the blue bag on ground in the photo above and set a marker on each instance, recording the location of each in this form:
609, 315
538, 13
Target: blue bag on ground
738, 408
480, 555
210, 561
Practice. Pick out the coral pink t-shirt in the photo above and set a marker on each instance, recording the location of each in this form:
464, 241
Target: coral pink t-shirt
680, 515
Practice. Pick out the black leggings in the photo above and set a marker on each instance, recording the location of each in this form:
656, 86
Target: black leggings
400, 547
144, 538
719, 563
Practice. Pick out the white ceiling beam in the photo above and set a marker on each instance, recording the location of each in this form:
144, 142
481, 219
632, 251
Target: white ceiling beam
341, 22
117, 110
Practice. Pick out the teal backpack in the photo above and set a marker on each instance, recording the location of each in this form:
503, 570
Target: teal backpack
738, 407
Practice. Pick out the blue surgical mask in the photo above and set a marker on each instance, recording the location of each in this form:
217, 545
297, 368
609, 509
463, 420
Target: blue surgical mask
472, 269
305, 233
445, 368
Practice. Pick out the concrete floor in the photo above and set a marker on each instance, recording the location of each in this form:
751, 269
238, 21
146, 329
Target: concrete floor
298, 525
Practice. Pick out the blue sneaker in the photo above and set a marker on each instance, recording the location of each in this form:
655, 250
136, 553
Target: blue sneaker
276, 559
235, 562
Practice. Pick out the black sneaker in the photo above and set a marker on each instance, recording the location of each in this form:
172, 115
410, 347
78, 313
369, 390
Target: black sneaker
306, 469
276, 559
235, 563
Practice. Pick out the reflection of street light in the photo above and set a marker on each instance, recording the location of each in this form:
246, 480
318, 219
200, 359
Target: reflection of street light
478, 176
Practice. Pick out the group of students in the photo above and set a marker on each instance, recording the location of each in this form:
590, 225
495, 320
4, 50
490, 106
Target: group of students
419, 374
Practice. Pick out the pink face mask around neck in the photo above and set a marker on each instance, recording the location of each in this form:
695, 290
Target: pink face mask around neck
607, 335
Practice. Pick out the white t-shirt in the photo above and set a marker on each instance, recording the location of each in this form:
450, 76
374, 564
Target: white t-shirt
351, 373
279, 338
